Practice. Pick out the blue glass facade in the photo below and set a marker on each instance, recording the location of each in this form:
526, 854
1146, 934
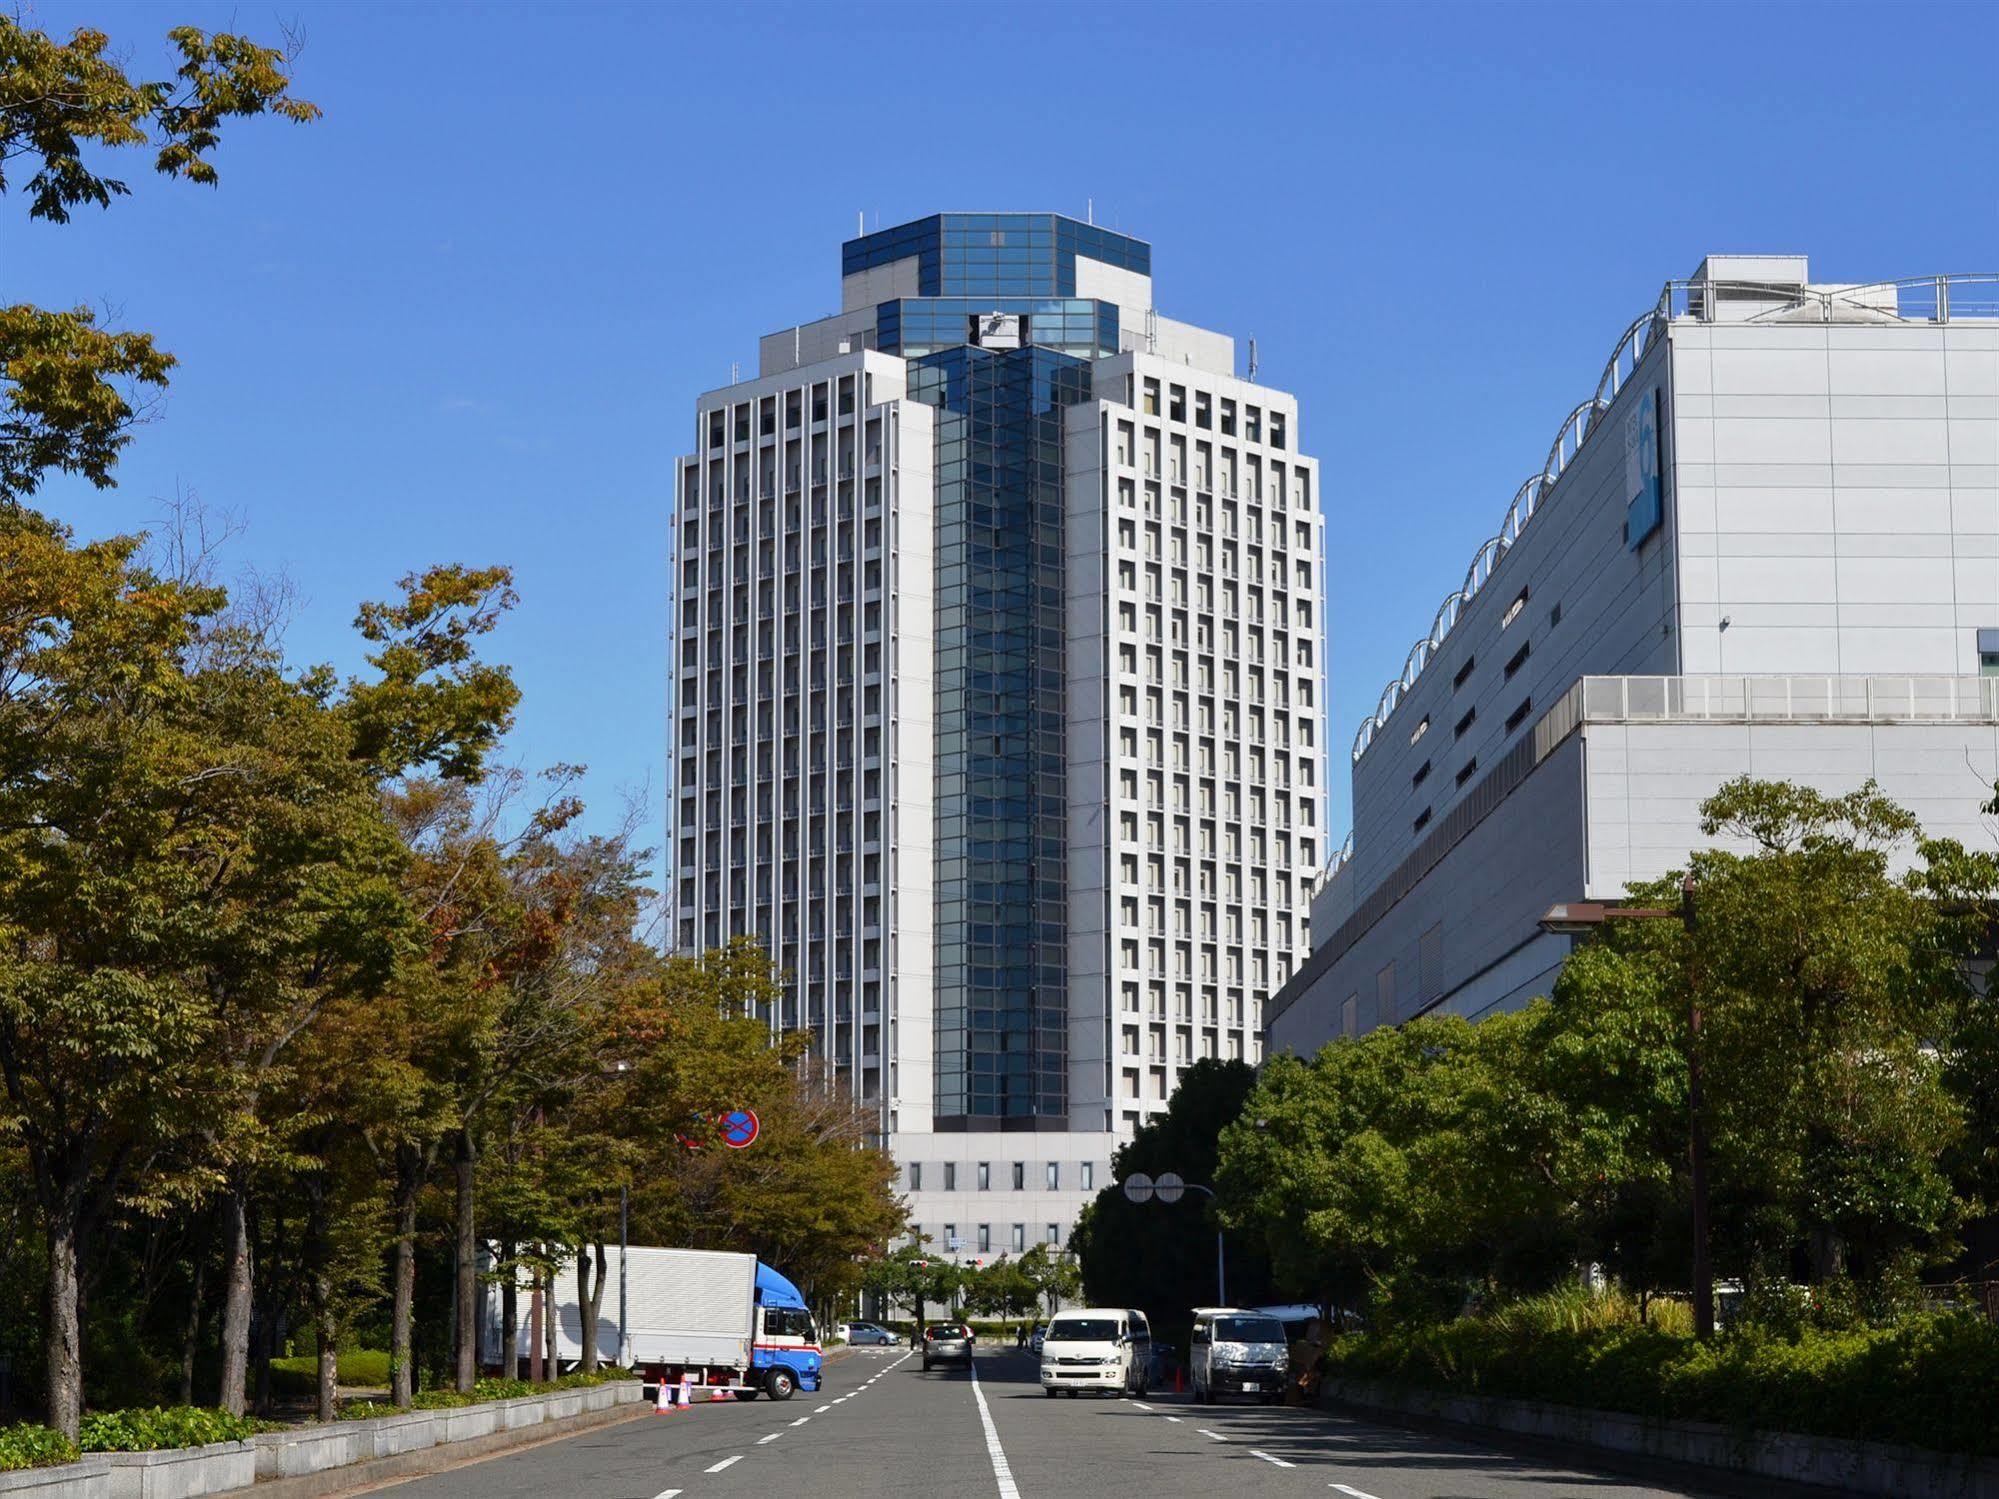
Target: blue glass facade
1001, 976
995, 254
1001, 1001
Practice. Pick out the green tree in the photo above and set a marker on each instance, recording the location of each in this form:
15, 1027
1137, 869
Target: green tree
71, 391
1162, 1257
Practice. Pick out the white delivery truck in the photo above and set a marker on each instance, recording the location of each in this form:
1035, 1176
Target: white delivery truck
723, 1320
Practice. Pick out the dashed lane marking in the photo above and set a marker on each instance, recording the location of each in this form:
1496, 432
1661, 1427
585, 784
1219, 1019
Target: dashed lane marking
801, 1420
823, 1409
1174, 1419
1349, 1489
1002, 1473
1141, 1405
666, 1494
727, 1462
1269, 1459
1213, 1436
771, 1438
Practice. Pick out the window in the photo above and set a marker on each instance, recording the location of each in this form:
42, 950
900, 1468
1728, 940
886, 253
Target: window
1089, 1175
1519, 714
1422, 821
1350, 1015
950, 1176
1463, 672
950, 1237
1420, 730
985, 1238
1519, 659
1470, 718
1054, 1235
916, 1176
1020, 1176
1384, 994
985, 1176
1470, 766
1054, 1176
787, 1322
1422, 775
1555, 615
1019, 1237
1513, 610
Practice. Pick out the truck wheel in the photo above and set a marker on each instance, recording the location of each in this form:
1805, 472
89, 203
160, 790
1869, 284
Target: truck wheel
780, 1384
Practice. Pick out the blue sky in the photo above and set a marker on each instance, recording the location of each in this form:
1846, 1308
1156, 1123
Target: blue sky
464, 316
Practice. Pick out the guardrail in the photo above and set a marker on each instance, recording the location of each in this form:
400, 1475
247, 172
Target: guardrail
1918, 299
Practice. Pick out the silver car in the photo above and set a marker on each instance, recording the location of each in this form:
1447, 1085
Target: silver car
1235, 1352
947, 1343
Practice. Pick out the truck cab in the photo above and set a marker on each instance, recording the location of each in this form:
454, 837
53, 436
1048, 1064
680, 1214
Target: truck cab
786, 1354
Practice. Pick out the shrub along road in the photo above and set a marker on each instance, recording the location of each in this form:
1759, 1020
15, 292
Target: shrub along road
884, 1427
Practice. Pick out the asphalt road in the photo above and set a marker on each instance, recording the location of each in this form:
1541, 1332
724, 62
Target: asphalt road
882, 1427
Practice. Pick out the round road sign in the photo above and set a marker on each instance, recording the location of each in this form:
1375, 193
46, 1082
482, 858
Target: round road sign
1169, 1187
1138, 1187
740, 1127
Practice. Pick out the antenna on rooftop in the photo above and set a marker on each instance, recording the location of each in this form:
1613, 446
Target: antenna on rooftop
860, 222
1092, 209
1252, 361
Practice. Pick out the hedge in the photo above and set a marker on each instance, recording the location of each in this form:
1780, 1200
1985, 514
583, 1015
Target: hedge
1928, 1381
484, 1389
150, 1429
299, 1377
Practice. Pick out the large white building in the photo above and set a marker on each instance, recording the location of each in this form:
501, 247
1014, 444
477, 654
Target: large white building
995, 701
1768, 543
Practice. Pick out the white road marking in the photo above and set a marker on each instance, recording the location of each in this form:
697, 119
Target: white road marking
1347, 1488
666, 1494
1002, 1474
1269, 1459
801, 1420
1215, 1436
1174, 1419
823, 1409
771, 1438
727, 1462
1141, 1405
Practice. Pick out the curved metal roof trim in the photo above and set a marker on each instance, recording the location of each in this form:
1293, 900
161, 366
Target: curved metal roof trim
1576, 429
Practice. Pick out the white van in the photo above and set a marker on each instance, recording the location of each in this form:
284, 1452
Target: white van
1233, 1352
1107, 1350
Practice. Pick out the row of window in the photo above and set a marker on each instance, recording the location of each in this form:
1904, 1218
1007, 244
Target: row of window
950, 1243
1051, 1176
1206, 410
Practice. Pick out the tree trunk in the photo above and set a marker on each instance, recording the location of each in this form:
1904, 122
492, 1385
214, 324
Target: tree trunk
510, 1315
191, 1331
235, 1302
402, 1362
466, 1354
551, 1325
63, 1352
591, 1304
584, 1326
329, 1345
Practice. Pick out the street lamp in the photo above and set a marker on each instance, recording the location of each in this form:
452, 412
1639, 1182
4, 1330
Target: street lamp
1169, 1189
1580, 918
619, 1069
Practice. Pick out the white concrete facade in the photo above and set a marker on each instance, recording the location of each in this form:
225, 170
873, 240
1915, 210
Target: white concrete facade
806, 769
1824, 563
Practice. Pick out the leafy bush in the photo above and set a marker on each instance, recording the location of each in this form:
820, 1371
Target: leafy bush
33, 1447
1925, 1381
158, 1427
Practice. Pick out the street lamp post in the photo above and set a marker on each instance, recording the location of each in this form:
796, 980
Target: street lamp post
1169, 1189
1579, 918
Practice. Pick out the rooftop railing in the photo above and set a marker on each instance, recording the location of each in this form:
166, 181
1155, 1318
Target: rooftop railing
1775, 699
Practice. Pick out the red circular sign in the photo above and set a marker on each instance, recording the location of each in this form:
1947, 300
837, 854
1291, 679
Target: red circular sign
740, 1127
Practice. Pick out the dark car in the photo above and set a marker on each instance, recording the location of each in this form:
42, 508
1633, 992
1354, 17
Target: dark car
947, 1343
867, 1334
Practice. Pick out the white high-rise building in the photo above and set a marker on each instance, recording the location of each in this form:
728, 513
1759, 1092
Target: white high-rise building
996, 712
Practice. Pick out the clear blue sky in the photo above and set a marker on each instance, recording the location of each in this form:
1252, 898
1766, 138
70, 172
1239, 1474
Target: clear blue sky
465, 315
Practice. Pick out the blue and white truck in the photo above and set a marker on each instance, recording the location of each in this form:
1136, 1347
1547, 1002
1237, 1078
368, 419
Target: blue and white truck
723, 1320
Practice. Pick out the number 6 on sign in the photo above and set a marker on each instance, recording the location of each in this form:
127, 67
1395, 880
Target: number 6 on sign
740, 1128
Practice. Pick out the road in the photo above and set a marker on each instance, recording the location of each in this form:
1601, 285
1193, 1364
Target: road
882, 1427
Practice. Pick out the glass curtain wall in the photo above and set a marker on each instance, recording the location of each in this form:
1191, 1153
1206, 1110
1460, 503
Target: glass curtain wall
1001, 1006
